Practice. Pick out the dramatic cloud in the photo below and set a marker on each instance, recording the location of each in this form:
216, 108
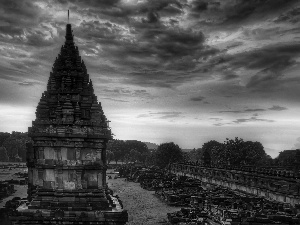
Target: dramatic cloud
155, 60
115, 100
197, 99
252, 119
28, 83
244, 111
161, 115
273, 108
277, 108
216, 119
230, 12
292, 16
168, 115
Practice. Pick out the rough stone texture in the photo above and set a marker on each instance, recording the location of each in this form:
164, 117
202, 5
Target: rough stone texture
273, 184
66, 159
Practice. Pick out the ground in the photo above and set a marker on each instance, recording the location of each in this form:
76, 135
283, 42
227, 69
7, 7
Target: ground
8, 174
143, 207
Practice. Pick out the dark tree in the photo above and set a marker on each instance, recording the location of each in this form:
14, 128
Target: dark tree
193, 155
168, 153
214, 149
234, 152
287, 158
109, 156
206, 158
3, 155
15, 146
136, 150
239, 152
3, 137
117, 148
150, 158
130, 150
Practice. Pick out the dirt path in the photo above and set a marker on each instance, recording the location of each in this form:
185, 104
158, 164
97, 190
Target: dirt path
143, 207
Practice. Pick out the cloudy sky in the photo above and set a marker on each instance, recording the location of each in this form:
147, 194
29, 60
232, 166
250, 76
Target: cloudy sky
186, 71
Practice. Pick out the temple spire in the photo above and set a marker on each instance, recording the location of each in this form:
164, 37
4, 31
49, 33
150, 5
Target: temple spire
67, 154
69, 34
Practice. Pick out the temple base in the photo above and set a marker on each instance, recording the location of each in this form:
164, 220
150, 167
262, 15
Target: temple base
97, 207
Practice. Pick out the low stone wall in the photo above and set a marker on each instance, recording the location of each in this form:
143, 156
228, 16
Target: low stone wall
284, 197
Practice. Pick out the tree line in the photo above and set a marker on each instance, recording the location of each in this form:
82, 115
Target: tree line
234, 152
136, 151
13, 146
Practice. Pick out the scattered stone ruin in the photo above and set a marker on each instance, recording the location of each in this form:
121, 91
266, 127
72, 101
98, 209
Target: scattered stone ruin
204, 203
66, 159
276, 184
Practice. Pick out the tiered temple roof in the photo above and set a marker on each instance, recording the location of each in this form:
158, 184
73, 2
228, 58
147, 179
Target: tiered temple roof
66, 159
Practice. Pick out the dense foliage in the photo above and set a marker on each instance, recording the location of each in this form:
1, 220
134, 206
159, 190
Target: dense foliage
13, 146
168, 153
232, 152
127, 151
287, 158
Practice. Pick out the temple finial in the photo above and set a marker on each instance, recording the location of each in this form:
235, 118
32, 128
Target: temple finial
68, 15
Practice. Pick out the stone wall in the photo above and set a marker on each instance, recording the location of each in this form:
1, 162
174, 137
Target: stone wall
277, 188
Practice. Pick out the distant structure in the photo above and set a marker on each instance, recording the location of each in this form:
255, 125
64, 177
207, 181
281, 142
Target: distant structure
67, 158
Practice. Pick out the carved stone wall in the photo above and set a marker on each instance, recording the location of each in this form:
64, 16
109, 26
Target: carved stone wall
272, 184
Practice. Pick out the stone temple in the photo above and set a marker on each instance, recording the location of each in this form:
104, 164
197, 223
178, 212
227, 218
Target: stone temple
66, 159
